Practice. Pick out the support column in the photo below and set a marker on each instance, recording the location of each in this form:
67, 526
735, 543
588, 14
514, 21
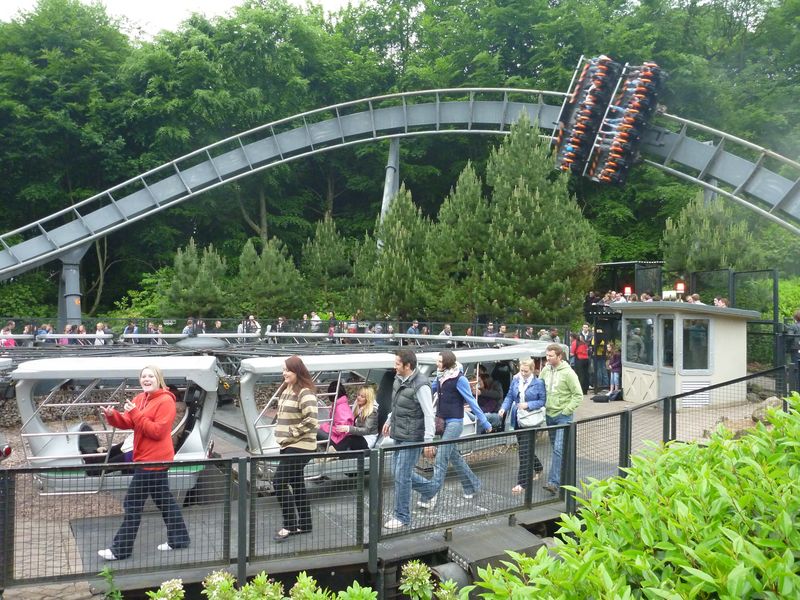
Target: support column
391, 183
69, 287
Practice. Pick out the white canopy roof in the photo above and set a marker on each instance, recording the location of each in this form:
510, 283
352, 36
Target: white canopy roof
320, 362
202, 370
477, 355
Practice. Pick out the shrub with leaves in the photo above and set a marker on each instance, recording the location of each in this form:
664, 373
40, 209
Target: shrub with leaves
688, 521
221, 585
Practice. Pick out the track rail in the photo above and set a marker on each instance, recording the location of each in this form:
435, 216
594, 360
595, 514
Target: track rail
753, 176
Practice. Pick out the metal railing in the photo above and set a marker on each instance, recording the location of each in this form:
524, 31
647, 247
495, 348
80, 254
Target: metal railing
233, 511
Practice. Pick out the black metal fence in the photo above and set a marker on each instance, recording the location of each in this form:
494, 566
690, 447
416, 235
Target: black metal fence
55, 520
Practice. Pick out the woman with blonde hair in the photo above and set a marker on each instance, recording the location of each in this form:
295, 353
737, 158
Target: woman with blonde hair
364, 431
150, 416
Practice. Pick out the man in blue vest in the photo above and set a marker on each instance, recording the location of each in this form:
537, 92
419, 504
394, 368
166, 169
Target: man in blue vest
410, 422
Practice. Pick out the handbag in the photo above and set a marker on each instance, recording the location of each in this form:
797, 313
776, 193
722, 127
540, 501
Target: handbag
530, 418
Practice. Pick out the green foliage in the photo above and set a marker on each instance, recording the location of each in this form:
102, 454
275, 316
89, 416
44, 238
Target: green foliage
113, 592
78, 96
709, 235
171, 589
718, 520
306, 588
417, 582
398, 279
27, 296
149, 300
789, 294
268, 283
327, 264
458, 242
541, 250
198, 285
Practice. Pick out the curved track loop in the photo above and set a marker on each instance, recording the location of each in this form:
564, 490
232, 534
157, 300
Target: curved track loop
753, 176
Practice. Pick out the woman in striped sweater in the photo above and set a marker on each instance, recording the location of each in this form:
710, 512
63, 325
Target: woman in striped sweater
296, 432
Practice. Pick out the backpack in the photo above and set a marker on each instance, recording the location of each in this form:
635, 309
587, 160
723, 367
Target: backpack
615, 396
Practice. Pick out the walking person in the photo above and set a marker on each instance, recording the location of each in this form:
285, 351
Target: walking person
296, 432
564, 395
410, 422
527, 392
150, 416
454, 391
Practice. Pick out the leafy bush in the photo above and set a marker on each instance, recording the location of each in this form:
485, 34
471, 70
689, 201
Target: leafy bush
688, 521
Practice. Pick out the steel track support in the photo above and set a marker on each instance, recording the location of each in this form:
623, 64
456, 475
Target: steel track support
69, 287
391, 183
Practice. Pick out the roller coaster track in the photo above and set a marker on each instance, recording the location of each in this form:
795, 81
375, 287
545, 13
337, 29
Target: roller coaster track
755, 177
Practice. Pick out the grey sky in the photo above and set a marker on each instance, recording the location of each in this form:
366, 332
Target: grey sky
154, 15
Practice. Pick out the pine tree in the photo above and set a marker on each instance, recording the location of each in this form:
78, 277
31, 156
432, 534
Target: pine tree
541, 251
327, 264
399, 278
199, 285
706, 236
269, 284
458, 241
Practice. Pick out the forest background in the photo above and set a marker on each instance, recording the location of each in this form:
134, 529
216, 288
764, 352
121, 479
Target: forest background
84, 107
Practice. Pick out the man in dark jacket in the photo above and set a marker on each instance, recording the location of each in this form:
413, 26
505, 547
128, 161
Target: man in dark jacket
411, 421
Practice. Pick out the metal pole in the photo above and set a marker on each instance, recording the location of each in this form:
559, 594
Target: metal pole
625, 439
570, 476
391, 183
376, 510
242, 525
69, 301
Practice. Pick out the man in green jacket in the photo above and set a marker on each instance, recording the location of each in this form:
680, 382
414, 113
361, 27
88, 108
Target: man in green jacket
564, 395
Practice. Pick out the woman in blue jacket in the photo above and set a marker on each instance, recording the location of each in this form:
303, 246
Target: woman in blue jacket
527, 391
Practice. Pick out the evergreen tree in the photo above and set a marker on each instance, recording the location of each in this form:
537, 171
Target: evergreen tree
706, 236
269, 284
198, 286
457, 244
399, 278
362, 293
540, 250
327, 264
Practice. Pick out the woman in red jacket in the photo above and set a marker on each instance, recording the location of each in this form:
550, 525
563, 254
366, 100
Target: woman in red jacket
150, 416
579, 350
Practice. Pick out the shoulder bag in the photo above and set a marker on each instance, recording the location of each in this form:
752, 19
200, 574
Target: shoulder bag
530, 418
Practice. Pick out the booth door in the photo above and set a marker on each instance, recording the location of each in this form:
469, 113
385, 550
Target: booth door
666, 355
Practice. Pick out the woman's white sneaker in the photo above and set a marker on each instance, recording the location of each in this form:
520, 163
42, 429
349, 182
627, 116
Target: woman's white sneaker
106, 554
164, 547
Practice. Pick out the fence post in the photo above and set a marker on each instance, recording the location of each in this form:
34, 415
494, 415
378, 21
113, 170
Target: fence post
530, 433
243, 493
570, 475
667, 428
376, 510
360, 502
7, 506
625, 440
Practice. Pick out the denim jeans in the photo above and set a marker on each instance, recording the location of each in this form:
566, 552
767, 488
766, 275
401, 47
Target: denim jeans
406, 479
557, 443
446, 454
155, 485
600, 373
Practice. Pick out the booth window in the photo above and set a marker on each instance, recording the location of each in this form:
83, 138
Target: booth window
639, 342
695, 344
667, 337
